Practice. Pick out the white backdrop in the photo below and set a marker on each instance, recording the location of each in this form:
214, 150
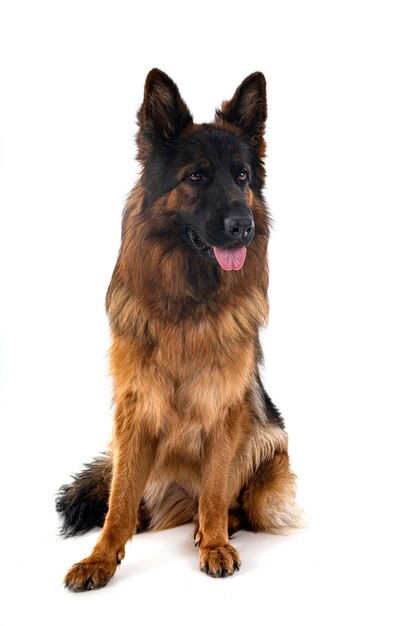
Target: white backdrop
340, 350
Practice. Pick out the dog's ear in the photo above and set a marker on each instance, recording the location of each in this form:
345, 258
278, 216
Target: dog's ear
163, 114
247, 108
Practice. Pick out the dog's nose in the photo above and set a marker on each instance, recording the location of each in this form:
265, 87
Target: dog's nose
239, 228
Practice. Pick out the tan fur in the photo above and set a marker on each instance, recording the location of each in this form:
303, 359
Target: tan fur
191, 437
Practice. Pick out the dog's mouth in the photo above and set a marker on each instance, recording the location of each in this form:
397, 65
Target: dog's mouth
228, 258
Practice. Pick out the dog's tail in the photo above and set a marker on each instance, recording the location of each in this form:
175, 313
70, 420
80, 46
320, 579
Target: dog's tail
83, 503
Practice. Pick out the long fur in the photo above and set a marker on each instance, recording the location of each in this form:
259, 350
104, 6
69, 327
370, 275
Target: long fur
196, 436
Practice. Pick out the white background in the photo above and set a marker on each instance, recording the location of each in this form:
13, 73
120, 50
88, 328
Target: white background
341, 345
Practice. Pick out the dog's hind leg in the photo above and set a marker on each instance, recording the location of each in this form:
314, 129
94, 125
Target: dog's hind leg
268, 499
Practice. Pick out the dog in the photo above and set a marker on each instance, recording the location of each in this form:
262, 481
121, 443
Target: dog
196, 436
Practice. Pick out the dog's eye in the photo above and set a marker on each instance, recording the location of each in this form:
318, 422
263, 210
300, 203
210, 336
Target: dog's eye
242, 177
195, 177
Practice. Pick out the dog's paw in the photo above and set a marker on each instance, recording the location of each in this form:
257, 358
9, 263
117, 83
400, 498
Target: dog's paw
90, 573
219, 562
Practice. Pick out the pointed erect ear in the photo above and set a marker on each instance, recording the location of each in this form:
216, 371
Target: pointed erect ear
163, 113
247, 108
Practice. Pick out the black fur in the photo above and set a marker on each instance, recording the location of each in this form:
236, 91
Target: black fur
219, 156
84, 503
271, 410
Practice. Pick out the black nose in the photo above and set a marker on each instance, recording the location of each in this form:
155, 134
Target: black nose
240, 228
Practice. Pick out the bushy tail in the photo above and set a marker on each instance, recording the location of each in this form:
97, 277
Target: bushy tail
84, 503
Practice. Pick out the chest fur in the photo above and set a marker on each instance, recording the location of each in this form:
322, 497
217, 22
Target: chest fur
196, 369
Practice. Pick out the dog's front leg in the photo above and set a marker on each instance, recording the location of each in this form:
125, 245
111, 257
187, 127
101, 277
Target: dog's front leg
217, 557
134, 454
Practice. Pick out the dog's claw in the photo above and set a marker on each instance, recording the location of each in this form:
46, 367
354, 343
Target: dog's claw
219, 562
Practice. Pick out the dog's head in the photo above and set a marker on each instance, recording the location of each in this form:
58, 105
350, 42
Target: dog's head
200, 180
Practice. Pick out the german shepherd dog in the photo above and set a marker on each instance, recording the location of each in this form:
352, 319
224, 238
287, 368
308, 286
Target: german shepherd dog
196, 436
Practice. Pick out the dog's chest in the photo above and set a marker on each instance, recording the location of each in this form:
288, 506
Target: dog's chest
190, 370
206, 366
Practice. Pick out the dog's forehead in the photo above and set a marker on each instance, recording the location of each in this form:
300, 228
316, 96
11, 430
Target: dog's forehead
215, 146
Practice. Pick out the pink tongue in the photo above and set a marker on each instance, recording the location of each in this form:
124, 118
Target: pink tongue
232, 259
